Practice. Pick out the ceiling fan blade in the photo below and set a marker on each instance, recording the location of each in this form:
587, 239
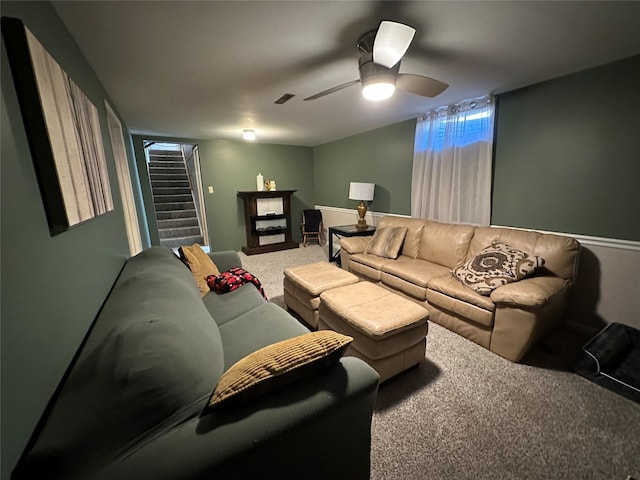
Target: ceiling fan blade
391, 43
424, 86
331, 90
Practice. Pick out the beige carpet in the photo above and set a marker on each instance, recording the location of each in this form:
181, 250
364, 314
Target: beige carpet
466, 413
268, 267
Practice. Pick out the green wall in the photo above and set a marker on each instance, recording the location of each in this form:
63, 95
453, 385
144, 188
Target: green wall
383, 156
566, 160
51, 287
231, 167
567, 154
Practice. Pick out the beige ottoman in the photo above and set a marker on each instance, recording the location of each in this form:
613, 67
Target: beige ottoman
303, 285
389, 331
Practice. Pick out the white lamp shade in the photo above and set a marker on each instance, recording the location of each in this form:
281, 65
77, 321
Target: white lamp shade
361, 191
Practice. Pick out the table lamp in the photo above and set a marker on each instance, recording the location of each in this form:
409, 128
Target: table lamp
363, 192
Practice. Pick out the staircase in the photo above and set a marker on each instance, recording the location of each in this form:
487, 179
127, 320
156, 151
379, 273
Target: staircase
173, 200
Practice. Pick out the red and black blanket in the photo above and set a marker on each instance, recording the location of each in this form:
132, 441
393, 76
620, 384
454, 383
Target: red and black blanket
233, 278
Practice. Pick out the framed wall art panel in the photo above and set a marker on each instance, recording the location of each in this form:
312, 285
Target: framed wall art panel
63, 130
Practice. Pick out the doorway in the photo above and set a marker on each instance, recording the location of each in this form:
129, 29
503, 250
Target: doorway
132, 226
178, 199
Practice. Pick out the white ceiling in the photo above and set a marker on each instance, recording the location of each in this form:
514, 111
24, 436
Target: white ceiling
207, 70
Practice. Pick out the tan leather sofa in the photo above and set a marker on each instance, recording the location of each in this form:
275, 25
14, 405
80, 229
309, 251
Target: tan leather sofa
511, 319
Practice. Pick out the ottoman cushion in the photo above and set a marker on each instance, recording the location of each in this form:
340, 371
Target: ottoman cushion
315, 278
382, 322
304, 283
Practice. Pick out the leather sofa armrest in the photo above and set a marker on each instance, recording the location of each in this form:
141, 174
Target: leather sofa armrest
354, 245
530, 292
226, 259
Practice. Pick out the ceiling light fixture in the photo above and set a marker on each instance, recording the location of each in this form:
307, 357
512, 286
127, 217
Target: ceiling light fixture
378, 81
249, 135
378, 91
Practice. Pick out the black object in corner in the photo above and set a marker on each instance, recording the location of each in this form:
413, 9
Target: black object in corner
612, 359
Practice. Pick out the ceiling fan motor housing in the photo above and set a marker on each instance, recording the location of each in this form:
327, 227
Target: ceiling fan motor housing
371, 72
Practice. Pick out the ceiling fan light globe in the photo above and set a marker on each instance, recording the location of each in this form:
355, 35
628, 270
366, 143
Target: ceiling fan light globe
391, 43
249, 135
378, 91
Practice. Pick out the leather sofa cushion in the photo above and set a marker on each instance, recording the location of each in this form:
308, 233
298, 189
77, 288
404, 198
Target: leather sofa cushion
462, 315
414, 228
451, 287
403, 286
560, 253
368, 266
447, 293
444, 243
416, 271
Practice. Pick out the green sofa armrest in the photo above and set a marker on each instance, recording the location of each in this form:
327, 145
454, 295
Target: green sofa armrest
226, 259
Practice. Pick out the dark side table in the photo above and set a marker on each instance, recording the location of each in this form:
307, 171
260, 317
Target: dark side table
346, 231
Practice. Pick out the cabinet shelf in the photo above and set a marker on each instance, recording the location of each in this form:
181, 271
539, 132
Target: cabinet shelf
266, 231
267, 217
270, 231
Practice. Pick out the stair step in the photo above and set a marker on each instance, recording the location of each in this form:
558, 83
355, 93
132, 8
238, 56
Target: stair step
163, 150
165, 155
166, 164
170, 190
170, 183
179, 242
179, 222
163, 177
167, 170
172, 198
179, 232
163, 207
174, 214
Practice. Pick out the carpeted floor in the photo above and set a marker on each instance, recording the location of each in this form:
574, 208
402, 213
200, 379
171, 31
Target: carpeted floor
466, 413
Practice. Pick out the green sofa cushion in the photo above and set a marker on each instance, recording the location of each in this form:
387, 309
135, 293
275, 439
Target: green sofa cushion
256, 329
224, 307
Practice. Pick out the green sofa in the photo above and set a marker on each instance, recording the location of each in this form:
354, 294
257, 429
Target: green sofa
132, 404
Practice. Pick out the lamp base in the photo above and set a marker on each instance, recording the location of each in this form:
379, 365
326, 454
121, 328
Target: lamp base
362, 211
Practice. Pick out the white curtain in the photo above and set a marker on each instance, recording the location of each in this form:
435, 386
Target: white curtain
451, 179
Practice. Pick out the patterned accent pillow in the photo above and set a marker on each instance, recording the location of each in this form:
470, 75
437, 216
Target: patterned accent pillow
279, 364
495, 266
200, 264
386, 242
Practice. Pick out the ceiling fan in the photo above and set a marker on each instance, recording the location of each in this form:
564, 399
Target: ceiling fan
382, 50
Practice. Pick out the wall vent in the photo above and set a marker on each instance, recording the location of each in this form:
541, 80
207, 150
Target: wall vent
284, 98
